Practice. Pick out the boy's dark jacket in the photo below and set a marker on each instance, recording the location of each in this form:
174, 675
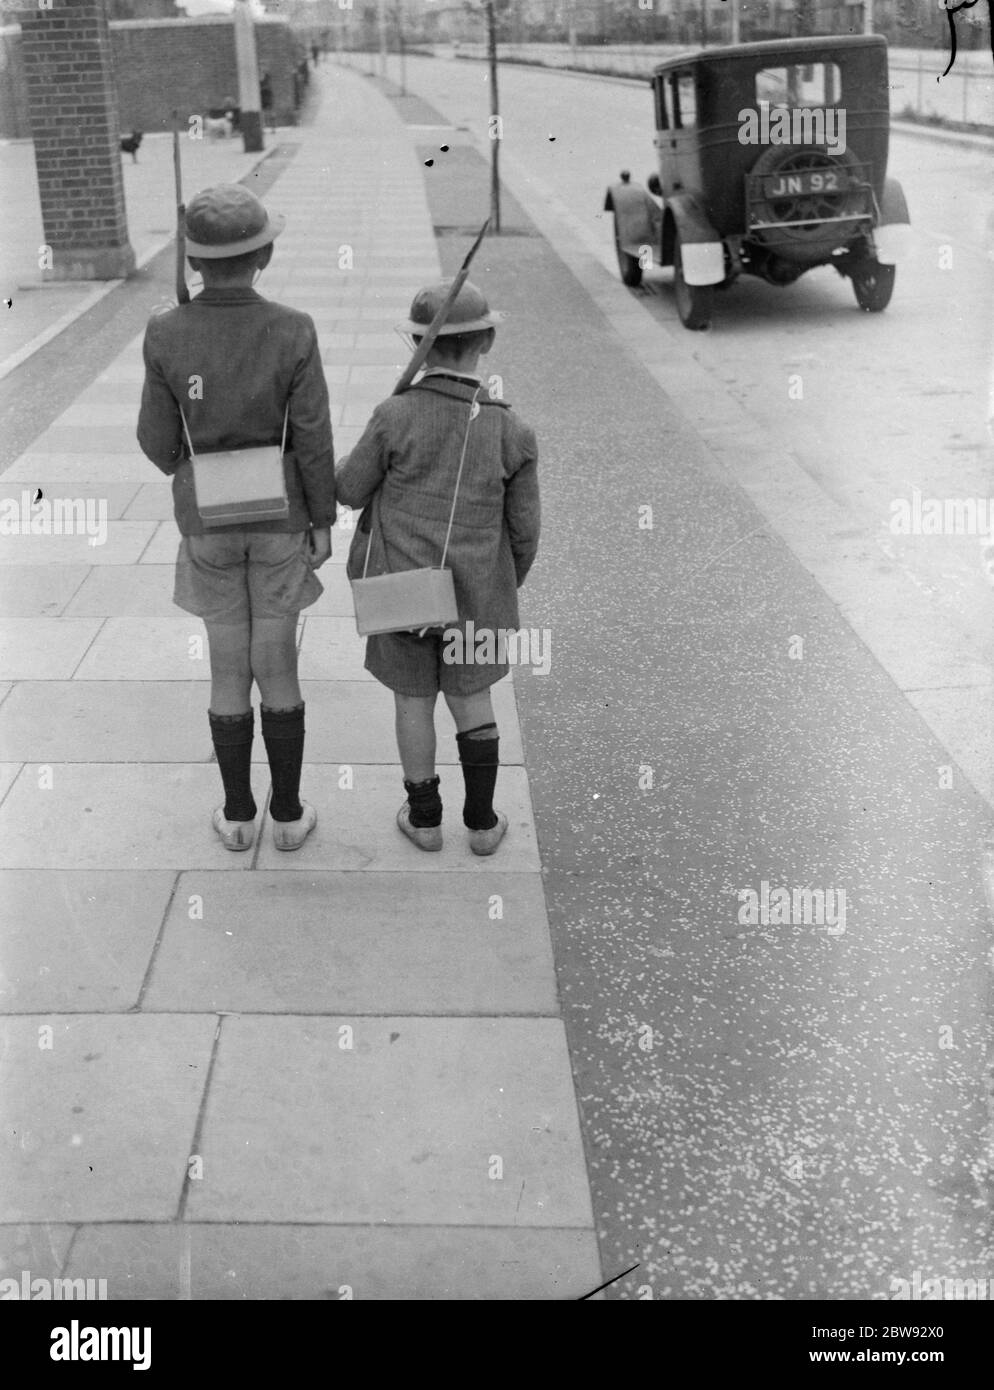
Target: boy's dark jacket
250, 355
410, 452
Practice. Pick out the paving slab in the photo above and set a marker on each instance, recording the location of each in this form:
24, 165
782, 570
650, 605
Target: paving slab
336, 601
32, 591
44, 648
98, 1126
357, 827
119, 591
113, 543
326, 1263
353, 722
330, 649
148, 649
8, 774
330, 943
152, 502
107, 722
164, 545
293, 1122
114, 496
78, 942
36, 1249
123, 816
39, 464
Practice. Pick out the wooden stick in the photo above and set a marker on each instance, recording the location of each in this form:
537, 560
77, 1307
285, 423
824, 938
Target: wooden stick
431, 332
182, 293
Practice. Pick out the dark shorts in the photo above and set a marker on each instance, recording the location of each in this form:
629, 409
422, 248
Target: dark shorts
411, 665
237, 575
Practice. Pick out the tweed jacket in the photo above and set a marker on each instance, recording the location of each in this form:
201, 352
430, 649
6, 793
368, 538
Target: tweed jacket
251, 356
408, 459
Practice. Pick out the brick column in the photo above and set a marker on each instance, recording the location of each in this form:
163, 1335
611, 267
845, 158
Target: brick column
72, 105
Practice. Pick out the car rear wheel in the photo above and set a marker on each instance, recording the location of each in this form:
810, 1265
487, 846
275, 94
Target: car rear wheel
694, 303
873, 284
631, 271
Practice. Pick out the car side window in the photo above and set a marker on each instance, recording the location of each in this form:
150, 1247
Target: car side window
684, 100
662, 115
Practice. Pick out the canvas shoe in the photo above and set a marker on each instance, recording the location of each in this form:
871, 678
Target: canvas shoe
291, 834
427, 837
235, 834
486, 841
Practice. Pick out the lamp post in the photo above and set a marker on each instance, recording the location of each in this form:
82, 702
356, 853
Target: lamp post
381, 20
248, 78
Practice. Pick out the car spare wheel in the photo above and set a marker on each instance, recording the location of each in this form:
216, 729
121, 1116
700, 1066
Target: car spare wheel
694, 303
874, 285
808, 194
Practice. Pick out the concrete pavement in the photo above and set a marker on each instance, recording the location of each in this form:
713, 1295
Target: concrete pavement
338, 1074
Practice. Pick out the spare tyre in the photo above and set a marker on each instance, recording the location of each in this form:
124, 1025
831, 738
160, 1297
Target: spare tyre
813, 196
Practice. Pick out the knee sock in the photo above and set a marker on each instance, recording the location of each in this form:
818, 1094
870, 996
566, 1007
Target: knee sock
232, 738
479, 769
425, 802
283, 732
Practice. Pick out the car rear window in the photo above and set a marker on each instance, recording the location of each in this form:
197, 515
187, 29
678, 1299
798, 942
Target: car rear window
807, 84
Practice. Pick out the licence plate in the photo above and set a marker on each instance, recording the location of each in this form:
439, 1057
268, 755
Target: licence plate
804, 184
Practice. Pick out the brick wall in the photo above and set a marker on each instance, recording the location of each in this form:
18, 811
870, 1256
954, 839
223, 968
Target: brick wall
159, 64
72, 109
189, 64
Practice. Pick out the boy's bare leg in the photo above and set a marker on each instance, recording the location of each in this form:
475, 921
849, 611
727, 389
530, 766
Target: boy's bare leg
415, 724
231, 673
274, 661
470, 711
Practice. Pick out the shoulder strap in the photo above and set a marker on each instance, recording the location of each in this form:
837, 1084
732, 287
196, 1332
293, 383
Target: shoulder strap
455, 494
472, 410
189, 441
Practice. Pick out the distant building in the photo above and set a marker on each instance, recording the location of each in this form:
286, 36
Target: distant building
143, 9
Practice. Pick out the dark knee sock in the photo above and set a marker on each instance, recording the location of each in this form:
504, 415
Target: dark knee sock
425, 802
232, 738
283, 732
479, 769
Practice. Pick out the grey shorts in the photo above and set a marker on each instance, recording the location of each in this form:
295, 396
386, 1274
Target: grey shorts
411, 665
237, 575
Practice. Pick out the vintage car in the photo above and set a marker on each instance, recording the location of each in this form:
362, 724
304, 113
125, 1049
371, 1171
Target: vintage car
772, 159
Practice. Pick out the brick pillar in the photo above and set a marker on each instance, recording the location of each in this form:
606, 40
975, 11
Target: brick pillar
72, 105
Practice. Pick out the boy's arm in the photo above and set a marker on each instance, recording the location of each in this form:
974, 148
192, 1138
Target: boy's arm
160, 430
310, 434
364, 469
522, 509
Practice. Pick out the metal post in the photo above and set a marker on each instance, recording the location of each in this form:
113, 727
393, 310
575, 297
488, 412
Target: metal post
381, 19
248, 78
735, 22
494, 119
867, 16
572, 32
400, 45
